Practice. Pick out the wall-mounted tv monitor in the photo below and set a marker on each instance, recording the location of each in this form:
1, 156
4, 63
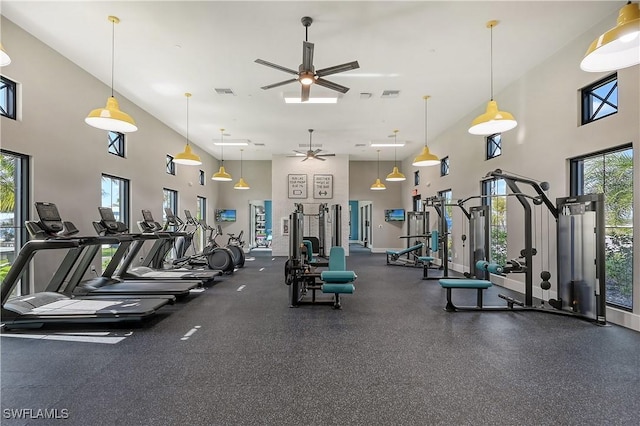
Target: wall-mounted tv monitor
394, 215
225, 215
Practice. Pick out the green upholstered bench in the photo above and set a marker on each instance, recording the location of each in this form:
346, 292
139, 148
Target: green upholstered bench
479, 285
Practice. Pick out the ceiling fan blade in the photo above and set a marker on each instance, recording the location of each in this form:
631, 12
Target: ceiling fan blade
319, 158
276, 66
330, 85
305, 158
299, 152
282, 83
305, 93
325, 155
317, 151
338, 68
307, 56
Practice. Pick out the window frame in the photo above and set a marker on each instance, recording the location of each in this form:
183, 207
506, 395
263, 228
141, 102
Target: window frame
493, 146
9, 93
201, 177
117, 143
444, 166
576, 187
170, 165
587, 115
489, 191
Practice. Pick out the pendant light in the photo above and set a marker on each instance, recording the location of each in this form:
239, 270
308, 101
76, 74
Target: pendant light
187, 157
377, 185
4, 57
241, 183
221, 175
111, 117
493, 120
395, 175
619, 47
425, 158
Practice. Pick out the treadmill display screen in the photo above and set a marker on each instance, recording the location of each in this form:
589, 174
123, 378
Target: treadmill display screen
48, 211
107, 214
147, 216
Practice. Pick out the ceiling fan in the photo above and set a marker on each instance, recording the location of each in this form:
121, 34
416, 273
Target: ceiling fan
306, 74
311, 153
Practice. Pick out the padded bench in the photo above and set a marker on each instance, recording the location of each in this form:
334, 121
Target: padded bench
394, 255
479, 285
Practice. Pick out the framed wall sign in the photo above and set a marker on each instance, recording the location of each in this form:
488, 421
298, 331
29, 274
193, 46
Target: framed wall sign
297, 186
323, 186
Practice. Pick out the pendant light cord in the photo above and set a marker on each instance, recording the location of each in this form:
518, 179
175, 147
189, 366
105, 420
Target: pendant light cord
395, 140
426, 98
187, 95
378, 164
113, 44
491, 60
241, 163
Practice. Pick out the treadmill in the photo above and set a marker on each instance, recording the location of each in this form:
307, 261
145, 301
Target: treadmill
114, 285
120, 265
49, 307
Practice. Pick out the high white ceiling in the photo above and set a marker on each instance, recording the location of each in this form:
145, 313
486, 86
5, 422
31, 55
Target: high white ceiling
438, 48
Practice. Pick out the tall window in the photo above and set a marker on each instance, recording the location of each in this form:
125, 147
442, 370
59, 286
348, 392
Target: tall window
611, 173
446, 196
14, 210
115, 194
8, 98
171, 166
600, 99
494, 146
201, 213
169, 200
116, 143
495, 196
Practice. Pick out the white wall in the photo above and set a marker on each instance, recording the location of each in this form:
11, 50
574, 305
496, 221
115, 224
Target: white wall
546, 103
282, 166
68, 157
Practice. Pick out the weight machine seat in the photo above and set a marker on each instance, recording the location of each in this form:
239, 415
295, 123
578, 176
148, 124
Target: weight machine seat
426, 261
309, 248
337, 279
479, 285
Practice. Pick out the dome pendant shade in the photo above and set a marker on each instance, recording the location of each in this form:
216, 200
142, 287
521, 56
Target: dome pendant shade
4, 57
187, 157
425, 158
617, 48
395, 175
492, 121
378, 186
241, 184
111, 118
221, 175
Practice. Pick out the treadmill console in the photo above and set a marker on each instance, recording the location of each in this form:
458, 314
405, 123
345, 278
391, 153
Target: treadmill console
50, 220
108, 220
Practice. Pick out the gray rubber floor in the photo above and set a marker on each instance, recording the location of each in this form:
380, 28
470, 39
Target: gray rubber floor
236, 355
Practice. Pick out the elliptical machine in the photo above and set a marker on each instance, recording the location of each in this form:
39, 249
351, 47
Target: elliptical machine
234, 244
216, 258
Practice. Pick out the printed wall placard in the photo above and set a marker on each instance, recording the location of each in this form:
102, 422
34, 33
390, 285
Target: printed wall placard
323, 186
297, 186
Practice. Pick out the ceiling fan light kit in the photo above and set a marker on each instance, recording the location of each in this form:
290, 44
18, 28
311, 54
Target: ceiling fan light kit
311, 153
111, 117
493, 120
307, 74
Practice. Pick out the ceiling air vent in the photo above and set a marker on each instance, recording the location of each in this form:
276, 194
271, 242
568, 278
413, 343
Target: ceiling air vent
390, 94
359, 145
258, 144
313, 145
224, 92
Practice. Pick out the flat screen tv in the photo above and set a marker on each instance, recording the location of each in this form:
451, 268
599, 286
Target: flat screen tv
225, 215
394, 215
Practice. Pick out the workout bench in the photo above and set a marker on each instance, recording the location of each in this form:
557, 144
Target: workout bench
393, 256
